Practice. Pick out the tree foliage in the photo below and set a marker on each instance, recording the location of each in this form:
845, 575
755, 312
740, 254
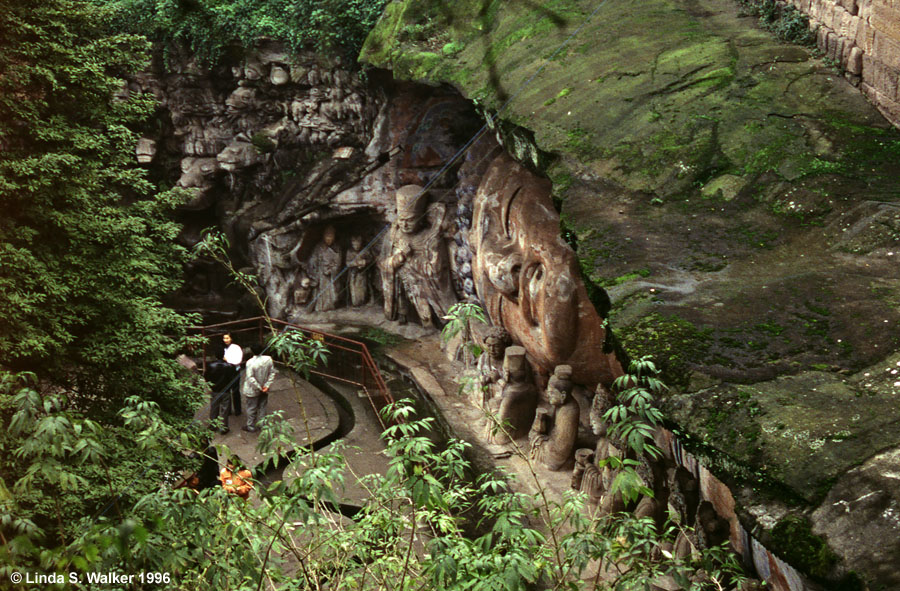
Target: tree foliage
208, 27
86, 247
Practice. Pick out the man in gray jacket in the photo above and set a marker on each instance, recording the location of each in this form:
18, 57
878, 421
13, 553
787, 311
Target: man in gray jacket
259, 373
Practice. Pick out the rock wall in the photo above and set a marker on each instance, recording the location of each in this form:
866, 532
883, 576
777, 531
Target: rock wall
736, 198
306, 168
863, 36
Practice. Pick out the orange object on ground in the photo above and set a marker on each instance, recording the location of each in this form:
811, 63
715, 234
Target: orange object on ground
238, 483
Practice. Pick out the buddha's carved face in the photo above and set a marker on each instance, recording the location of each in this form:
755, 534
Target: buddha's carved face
528, 277
494, 347
523, 271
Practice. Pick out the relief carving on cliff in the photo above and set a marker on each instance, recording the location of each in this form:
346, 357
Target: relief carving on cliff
415, 264
555, 430
324, 266
515, 407
528, 277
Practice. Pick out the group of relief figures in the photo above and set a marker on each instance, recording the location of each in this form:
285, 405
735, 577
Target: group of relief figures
320, 286
414, 266
415, 273
509, 394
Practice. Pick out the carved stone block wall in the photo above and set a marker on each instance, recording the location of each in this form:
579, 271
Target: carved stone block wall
863, 36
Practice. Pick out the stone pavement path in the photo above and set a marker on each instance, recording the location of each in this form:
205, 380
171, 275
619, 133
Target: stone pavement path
321, 412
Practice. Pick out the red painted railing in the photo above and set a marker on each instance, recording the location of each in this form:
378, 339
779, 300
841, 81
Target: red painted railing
348, 361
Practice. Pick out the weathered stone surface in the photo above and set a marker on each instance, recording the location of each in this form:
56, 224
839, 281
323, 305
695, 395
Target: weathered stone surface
860, 518
528, 277
803, 431
787, 267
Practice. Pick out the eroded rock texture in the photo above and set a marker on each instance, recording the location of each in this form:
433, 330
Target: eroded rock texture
275, 149
528, 277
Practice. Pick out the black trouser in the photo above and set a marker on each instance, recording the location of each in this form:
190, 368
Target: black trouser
236, 391
220, 406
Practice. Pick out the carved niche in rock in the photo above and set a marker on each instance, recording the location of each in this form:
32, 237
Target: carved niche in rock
555, 430
528, 277
415, 263
515, 408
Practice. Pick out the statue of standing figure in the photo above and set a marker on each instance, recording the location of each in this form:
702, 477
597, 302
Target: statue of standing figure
324, 266
555, 429
490, 364
517, 403
415, 262
358, 261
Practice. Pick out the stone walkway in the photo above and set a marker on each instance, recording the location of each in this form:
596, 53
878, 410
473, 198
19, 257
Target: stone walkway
438, 378
321, 412
362, 448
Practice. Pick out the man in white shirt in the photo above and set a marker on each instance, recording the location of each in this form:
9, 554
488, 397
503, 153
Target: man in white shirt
259, 374
234, 355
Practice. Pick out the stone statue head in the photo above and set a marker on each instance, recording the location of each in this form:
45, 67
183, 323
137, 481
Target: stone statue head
239, 153
242, 99
528, 277
496, 341
330, 235
583, 456
515, 366
411, 204
196, 172
356, 242
563, 385
145, 150
602, 402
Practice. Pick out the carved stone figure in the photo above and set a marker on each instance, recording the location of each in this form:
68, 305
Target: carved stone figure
416, 261
588, 478
304, 288
196, 172
602, 402
518, 400
324, 266
490, 364
145, 150
554, 430
358, 261
528, 277
560, 385
239, 153
279, 75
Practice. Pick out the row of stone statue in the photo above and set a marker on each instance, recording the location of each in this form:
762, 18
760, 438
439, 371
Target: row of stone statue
413, 264
509, 393
320, 285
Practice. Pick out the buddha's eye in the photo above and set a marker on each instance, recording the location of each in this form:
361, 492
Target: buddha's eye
506, 213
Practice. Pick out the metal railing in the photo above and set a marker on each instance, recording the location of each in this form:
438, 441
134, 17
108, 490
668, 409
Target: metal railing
348, 361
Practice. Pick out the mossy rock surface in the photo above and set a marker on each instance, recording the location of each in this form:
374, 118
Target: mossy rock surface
803, 430
737, 197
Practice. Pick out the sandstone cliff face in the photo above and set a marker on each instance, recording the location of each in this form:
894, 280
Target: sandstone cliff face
736, 196
277, 149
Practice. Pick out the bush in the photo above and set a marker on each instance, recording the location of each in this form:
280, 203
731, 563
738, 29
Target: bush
209, 27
